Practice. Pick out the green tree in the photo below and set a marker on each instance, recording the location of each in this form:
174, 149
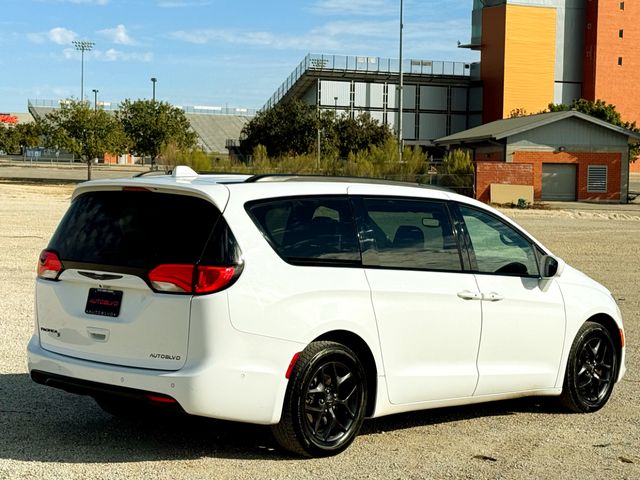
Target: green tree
83, 131
151, 126
291, 128
15, 138
457, 172
351, 135
8, 139
286, 128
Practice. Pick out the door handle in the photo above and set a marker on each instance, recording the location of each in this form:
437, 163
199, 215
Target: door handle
492, 297
467, 295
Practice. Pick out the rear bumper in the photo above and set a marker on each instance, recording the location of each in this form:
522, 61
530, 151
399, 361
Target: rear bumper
98, 390
245, 387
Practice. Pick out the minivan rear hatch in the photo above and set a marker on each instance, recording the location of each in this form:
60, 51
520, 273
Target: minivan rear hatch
104, 305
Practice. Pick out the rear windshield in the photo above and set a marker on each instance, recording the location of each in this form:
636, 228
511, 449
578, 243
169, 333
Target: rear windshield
134, 229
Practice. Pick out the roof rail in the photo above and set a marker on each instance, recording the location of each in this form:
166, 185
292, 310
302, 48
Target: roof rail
296, 177
151, 172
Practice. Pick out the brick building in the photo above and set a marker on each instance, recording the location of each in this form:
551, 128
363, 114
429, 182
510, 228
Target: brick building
562, 155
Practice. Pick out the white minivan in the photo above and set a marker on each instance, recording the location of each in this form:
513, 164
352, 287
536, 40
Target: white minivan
310, 303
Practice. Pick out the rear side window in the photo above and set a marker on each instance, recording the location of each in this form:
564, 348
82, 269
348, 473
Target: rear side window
309, 230
409, 234
136, 229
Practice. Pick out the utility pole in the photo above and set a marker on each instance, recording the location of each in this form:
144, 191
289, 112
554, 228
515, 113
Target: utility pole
153, 81
155, 113
95, 139
401, 86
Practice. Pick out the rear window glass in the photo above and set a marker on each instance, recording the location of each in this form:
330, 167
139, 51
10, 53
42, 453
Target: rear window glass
134, 229
411, 234
309, 230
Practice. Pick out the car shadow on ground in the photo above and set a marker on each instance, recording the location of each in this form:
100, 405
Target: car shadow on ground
48, 425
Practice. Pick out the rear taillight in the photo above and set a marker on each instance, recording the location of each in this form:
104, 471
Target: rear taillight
179, 278
212, 279
49, 265
172, 278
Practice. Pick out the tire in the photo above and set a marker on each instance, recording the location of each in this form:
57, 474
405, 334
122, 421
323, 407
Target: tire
325, 403
591, 369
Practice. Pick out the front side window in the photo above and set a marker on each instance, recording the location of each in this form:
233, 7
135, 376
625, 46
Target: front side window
498, 248
309, 230
408, 234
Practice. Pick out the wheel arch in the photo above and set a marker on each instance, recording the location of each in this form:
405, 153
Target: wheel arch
614, 330
364, 353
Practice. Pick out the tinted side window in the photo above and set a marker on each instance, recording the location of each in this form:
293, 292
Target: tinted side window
309, 230
498, 248
411, 234
134, 229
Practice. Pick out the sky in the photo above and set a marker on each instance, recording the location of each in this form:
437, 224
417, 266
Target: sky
232, 53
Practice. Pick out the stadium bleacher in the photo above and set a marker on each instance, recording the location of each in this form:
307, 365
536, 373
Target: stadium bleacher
214, 130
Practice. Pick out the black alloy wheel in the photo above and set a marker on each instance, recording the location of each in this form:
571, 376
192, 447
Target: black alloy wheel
591, 369
325, 402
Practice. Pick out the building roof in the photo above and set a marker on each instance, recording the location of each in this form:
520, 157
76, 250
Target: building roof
507, 127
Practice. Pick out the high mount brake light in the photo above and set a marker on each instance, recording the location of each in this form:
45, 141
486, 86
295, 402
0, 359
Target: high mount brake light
180, 278
49, 265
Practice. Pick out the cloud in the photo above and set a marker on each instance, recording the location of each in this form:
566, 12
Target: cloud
257, 38
182, 3
342, 36
110, 55
36, 37
61, 36
88, 2
117, 35
354, 7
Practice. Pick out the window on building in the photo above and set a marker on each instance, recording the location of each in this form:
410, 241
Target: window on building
597, 178
619, 60
621, 33
621, 5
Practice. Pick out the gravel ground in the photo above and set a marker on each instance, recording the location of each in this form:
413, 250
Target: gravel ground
47, 433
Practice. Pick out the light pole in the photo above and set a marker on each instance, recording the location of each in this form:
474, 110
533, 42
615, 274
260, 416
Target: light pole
82, 46
400, 88
95, 115
155, 112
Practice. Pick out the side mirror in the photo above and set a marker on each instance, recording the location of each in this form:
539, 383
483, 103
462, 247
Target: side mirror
551, 267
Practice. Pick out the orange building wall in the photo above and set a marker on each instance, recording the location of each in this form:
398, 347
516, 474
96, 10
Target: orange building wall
582, 159
518, 59
603, 78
